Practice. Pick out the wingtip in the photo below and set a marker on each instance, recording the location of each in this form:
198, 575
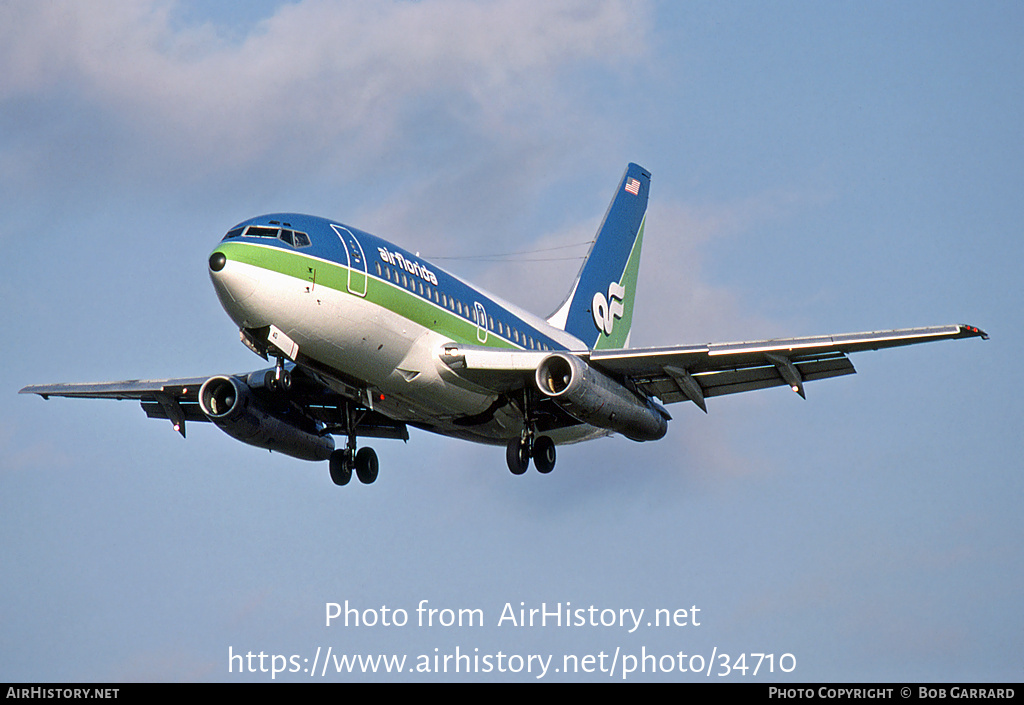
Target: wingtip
973, 332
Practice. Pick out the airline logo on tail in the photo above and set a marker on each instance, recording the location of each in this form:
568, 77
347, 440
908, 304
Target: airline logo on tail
606, 310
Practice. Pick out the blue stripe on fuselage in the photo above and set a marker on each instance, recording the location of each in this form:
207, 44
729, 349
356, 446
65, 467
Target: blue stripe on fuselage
327, 245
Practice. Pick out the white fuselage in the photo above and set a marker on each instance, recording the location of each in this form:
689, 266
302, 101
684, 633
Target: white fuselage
394, 359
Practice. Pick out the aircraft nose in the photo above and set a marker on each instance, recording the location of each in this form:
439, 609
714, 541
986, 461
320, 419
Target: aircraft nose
230, 279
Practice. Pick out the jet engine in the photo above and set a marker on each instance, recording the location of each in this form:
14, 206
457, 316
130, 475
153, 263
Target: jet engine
597, 399
231, 405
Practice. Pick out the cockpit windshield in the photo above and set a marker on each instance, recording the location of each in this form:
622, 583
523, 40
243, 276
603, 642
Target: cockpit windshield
286, 235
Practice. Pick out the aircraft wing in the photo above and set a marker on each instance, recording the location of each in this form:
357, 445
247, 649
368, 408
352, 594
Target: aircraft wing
178, 400
696, 372
174, 399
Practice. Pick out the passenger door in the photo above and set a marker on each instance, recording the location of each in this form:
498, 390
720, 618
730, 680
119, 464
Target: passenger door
356, 259
481, 321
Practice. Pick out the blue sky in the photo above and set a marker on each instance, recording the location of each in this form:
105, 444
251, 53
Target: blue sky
817, 168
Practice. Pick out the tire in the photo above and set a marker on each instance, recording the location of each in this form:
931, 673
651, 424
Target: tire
367, 465
341, 467
516, 456
544, 454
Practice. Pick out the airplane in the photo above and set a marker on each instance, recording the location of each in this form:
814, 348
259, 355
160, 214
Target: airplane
368, 339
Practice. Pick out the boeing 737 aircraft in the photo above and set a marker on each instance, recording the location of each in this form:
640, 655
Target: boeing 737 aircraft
369, 338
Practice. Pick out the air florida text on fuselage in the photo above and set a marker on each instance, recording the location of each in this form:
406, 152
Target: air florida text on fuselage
396, 259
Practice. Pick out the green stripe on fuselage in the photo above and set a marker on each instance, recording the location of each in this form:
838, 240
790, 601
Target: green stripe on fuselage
381, 292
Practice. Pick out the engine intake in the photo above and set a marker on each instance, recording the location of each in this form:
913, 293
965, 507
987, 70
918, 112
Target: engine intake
230, 404
595, 398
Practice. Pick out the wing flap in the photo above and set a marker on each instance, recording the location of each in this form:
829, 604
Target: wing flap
190, 411
746, 380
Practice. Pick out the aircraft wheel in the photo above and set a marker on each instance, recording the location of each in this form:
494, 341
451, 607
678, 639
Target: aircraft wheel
367, 465
517, 457
544, 454
278, 385
341, 467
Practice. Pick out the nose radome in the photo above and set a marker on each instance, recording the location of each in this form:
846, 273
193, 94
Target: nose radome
230, 279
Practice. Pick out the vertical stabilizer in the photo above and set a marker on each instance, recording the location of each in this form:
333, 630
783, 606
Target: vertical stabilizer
599, 308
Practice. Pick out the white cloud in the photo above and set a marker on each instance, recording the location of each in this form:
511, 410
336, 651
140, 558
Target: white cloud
319, 79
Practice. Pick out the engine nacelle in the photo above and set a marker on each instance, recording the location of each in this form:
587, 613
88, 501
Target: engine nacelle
230, 404
595, 398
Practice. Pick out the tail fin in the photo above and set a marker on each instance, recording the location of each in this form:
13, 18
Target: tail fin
599, 308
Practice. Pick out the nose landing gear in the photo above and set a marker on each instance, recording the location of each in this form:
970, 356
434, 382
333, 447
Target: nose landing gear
280, 378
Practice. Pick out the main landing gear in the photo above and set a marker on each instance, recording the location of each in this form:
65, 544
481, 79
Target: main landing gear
344, 460
519, 451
